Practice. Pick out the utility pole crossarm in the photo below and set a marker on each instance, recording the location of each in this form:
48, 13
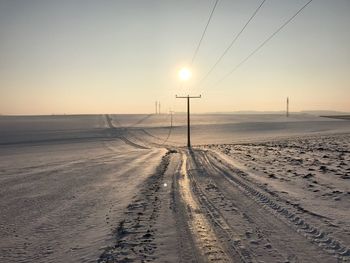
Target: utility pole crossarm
191, 97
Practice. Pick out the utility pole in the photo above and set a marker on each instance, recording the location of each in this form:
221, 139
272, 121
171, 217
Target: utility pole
171, 118
188, 97
159, 107
156, 107
287, 113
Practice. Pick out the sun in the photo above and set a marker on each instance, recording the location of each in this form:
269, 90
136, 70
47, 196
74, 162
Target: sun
185, 74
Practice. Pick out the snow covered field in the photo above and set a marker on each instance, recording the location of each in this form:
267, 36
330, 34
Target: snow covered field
122, 188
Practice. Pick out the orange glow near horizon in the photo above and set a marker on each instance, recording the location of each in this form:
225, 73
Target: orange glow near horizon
68, 58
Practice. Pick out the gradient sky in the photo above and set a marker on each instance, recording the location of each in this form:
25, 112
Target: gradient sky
71, 56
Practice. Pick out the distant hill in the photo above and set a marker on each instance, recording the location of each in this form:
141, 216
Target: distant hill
311, 112
342, 117
325, 112
246, 112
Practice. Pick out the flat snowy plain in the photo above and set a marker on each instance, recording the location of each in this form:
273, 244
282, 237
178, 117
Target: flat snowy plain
123, 188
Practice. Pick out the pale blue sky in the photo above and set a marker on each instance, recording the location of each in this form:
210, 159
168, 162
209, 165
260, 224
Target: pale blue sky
120, 56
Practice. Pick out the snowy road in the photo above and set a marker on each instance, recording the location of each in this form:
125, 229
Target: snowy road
219, 213
125, 196
213, 213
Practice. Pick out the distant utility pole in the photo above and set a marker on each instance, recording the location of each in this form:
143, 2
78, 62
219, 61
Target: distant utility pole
188, 97
156, 107
171, 118
287, 113
159, 107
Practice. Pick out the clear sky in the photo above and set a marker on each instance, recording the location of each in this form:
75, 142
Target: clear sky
110, 56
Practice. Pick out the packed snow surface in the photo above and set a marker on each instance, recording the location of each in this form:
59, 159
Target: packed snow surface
114, 188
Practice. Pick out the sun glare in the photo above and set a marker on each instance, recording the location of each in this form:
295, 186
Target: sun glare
185, 74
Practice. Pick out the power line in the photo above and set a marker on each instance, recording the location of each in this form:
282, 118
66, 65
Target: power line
203, 34
233, 41
263, 43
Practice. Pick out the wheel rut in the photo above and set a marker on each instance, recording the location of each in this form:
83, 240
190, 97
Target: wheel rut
252, 223
204, 236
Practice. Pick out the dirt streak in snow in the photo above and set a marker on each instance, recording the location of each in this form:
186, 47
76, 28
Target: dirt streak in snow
135, 234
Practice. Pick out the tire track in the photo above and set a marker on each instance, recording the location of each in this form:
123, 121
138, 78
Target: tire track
228, 236
185, 242
208, 243
294, 220
121, 136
